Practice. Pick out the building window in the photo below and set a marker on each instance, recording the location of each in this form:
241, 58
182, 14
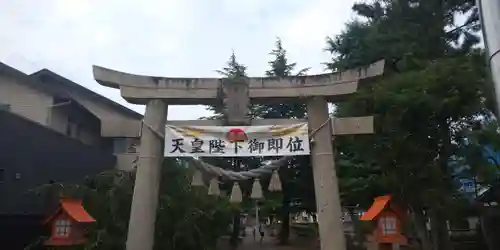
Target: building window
63, 227
120, 145
388, 225
73, 130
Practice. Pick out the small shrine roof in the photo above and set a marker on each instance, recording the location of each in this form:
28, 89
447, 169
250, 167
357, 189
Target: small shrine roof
377, 207
74, 209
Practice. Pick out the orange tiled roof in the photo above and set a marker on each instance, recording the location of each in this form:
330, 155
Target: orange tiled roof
76, 211
378, 206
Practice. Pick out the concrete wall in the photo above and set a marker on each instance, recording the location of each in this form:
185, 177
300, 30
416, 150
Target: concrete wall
113, 123
126, 151
58, 120
86, 129
126, 161
25, 101
37, 105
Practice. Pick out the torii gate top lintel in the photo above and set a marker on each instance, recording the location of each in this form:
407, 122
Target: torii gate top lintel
139, 89
236, 94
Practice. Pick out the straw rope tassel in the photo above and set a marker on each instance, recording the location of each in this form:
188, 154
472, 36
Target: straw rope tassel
197, 180
256, 190
236, 196
275, 183
213, 189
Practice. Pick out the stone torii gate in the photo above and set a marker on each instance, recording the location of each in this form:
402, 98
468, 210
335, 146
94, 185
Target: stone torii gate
316, 90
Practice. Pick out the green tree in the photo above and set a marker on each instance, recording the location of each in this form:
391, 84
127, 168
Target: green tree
232, 71
479, 152
187, 218
405, 33
296, 177
433, 90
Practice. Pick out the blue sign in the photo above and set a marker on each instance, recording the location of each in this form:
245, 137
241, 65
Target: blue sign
467, 186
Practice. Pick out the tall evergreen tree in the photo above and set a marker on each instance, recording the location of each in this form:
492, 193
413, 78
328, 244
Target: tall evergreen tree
432, 91
233, 69
279, 67
298, 170
297, 176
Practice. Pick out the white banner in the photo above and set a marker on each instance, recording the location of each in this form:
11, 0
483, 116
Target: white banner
231, 141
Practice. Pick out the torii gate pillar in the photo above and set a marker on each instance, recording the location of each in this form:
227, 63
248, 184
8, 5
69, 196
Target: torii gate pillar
326, 186
141, 229
157, 92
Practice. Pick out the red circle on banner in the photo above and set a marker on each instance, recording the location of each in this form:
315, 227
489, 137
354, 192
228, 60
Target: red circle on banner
237, 135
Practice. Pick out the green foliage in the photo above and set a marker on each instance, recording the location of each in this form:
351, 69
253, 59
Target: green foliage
233, 69
187, 217
405, 33
428, 108
435, 96
279, 66
190, 219
483, 165
433, 91
296, 177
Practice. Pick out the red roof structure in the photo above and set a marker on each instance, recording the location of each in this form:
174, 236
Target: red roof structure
69, 224
377, 207
74, 209
388, 219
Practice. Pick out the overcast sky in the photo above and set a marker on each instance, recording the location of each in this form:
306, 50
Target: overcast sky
181, 38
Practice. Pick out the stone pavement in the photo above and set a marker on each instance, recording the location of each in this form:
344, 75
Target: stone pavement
248, 242
269, 243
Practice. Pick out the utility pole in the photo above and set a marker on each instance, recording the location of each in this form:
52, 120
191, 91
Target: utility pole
489, 11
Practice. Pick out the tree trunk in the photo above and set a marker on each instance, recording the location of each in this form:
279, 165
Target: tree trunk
421, 230
489, 228
485, 234
235, 236
440, 233
439, 224
359, 235
285, 221
284, 233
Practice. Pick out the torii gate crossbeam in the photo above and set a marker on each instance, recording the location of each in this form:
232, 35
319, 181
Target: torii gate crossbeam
316, 90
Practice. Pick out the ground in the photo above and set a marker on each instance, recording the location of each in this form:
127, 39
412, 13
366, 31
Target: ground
269, 243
